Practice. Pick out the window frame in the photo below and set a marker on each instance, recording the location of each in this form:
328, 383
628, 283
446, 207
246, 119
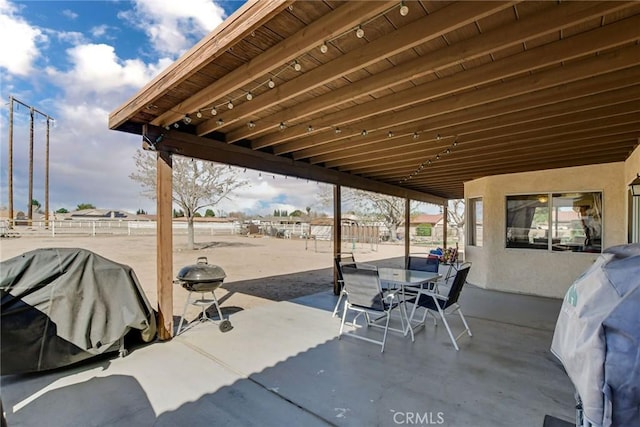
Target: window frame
550, 221
472, 233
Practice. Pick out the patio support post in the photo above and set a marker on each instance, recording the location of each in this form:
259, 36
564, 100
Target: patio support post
164, 234
407, 229
445, 216
337, 234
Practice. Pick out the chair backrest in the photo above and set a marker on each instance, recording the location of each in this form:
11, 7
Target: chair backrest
363, 287
429, 263
458, 283
343, 259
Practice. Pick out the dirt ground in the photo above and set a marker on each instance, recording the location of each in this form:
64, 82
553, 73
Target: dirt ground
259, 269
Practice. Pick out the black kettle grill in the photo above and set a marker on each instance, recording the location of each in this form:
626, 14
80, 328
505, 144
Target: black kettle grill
202, 277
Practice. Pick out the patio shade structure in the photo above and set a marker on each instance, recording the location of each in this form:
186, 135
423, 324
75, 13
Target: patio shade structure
362, 94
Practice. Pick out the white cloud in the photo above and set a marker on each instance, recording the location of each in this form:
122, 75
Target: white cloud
70, 14
99, 30
96, 69
172, 26
18, 55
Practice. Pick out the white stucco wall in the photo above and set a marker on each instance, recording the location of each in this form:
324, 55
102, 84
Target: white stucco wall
540, 272
632, 165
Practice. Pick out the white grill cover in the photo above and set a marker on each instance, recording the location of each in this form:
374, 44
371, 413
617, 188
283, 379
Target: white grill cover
597, 337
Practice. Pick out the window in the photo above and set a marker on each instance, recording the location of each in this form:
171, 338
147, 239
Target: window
558, 221
475, 222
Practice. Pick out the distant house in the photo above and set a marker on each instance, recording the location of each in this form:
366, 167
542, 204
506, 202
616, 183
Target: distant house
433, 221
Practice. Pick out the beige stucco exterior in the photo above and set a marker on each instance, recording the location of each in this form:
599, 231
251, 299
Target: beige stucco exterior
541, 272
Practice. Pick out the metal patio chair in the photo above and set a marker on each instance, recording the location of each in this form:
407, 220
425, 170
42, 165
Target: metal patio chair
340, 260
443, 305
364, 295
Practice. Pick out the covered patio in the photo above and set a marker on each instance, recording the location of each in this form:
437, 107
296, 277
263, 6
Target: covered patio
283, 365
428, 101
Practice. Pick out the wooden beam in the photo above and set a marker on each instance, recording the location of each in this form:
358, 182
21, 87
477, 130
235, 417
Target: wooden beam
337, 234
428, 28
206, 149
509, 124
487, 102
252, 14
164, 242
483, 44
509, 35
575, 71
334, 23
497, 148
512, 134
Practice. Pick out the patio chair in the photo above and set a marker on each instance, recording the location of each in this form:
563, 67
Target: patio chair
364, 295
444, 305
346, 258
430, 263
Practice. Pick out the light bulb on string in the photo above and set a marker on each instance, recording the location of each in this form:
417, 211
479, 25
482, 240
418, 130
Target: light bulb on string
390, 134
214, 111
249, 96
359, 32
282, 126
404, 9
324, 48
309, 128
230, 105
220, 122
186, 119
199, 114
271, 84
297, 66
415, 135
364, 132
251, 125
338, 131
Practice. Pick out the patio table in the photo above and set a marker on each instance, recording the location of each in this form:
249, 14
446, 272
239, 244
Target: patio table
396, 278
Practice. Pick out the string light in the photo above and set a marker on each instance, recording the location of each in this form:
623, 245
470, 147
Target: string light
297, 66
359, 32
214, 111
364, 132
220, 122
324, 48
230, 105
390, 134
338, 131
429, 162
282, 126
186, 119
271, 84
249, 96
199, 114
415, 135
251, 125
309, 128
404, 9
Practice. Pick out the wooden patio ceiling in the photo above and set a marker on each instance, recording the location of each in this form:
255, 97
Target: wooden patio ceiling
421, 103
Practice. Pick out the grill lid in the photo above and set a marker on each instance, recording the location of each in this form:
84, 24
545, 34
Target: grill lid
202, 271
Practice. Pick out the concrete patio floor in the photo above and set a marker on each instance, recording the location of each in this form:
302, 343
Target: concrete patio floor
282, 364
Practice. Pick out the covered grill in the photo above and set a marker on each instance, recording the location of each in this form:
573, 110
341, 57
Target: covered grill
202, 277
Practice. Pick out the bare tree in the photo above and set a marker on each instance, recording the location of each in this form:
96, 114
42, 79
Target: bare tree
455, 218
196, 184
387, 209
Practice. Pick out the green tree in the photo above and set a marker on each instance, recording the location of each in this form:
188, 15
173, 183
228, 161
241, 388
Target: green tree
297, 212
36, 205
209, 213
62, 211
197, 215
178, 213
424, 230
83, 206
141, 212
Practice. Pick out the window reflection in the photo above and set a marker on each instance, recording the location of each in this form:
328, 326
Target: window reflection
559, 221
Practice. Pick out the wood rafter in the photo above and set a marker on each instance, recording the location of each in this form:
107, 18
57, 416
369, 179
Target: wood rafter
520, 86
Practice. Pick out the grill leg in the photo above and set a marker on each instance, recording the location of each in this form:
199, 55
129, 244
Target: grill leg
184, 311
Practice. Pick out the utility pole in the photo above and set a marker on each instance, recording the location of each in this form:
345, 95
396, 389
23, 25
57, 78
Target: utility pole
32, 112
10, 181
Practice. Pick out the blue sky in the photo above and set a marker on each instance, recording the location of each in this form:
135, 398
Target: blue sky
79, 60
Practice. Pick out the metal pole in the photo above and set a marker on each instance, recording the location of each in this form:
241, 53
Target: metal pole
46, 179
30, 205
10, 181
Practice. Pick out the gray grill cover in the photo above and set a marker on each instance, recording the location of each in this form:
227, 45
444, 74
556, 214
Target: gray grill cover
60, 306
597, 337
